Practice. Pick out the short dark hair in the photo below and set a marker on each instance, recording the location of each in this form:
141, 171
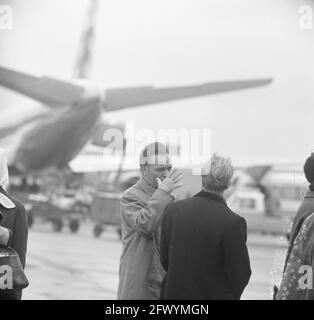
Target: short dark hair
308, 168
154, 148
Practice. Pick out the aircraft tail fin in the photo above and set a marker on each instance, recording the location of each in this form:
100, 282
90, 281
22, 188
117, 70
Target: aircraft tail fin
83, 63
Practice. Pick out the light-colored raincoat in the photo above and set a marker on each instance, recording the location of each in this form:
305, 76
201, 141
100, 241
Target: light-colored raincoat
141, 273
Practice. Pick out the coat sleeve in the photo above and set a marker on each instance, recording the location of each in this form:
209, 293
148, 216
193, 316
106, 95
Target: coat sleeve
164, 239
236, 257
18, 240
143, 218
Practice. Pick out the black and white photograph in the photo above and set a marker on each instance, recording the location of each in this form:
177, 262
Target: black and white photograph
156, 150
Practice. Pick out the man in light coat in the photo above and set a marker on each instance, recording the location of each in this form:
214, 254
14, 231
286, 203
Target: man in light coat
142, 207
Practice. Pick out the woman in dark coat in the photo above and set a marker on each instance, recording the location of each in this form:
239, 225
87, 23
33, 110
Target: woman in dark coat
13, 225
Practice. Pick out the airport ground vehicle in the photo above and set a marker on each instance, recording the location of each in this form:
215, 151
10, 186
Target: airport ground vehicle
260, 216
105, 212
59, 210
63, 206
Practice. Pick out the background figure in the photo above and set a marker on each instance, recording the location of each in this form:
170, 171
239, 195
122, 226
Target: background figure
203, 243
12, 218
301, 247
297, 281
142, 207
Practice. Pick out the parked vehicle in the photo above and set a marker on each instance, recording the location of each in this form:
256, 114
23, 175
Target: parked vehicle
59, 210
251, 204
105, 211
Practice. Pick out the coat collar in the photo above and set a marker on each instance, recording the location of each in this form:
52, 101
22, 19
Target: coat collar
212, 196
147, 188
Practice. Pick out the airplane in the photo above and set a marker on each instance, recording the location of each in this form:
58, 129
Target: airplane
51, 135
41, 140
56, 134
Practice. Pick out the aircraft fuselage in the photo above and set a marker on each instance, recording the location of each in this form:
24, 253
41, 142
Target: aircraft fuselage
58, 137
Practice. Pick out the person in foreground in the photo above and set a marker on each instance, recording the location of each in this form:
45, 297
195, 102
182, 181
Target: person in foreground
142, 207
203, 243
297, 282
13, 225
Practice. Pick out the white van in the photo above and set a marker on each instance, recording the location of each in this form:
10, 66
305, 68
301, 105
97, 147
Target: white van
250, 204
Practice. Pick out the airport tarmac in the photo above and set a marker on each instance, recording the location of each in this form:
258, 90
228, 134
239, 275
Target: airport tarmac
79, 266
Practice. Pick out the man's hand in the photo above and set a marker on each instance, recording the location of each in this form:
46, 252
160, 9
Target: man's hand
4, 236
172, 182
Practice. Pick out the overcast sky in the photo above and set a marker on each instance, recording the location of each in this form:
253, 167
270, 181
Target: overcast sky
176, 42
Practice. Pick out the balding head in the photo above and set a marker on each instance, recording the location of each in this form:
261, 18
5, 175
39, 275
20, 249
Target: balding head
154, 153
155, 163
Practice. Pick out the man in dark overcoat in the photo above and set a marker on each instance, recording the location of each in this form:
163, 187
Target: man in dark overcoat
203, 243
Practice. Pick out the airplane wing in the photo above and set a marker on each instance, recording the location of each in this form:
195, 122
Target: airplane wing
138, 96
49, 91
54, 92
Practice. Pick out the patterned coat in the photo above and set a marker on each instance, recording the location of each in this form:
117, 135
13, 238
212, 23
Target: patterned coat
300, 256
